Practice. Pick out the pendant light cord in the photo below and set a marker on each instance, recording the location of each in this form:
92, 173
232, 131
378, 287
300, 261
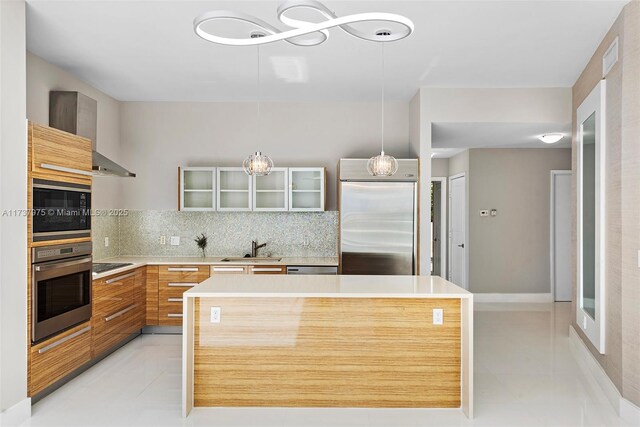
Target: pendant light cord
258, 86
382, 108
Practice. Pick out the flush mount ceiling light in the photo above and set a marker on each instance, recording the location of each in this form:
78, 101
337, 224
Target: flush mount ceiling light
317, 32
551, 138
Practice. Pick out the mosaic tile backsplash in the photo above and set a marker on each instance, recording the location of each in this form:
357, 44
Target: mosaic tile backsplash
229, 233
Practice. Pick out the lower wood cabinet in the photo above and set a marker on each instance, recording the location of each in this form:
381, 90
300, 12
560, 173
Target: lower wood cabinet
118, 309
53, 359
173, 281
228, 269
267, 269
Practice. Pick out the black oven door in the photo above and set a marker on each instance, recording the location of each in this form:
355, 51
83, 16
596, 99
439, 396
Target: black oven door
61, 210
61, 295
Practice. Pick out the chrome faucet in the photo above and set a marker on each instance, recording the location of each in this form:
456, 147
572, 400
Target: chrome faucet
254, 248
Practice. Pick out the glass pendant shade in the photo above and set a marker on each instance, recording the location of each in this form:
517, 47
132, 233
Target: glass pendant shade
382, 165
257, 164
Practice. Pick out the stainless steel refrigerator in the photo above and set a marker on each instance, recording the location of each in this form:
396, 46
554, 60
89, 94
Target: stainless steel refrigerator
378, 219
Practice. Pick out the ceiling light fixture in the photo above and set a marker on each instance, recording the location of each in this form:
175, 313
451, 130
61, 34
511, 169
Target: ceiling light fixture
382, 164
257, 164
551, 138
318, 31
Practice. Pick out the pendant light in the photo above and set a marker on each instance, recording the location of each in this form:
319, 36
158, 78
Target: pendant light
382, 164
258, 164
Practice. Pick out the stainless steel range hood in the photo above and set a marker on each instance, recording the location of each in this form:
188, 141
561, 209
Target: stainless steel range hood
76, 113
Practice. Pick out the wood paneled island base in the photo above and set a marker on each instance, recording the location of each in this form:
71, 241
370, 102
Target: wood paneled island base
338, 341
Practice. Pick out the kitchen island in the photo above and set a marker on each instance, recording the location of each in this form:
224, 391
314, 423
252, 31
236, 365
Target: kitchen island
328, 341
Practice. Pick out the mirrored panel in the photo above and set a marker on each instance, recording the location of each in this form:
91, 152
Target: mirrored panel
589, 216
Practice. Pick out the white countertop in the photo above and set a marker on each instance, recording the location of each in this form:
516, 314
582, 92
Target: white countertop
141, 261
276, 285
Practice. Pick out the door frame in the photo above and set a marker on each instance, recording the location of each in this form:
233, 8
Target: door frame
552, 228
466, 228
444, 221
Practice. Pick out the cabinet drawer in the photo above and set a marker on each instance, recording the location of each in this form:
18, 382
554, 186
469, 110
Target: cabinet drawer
170, 312
175, 291
54, 358
267, 269
115, 293
228, 269
183, 273
111, 329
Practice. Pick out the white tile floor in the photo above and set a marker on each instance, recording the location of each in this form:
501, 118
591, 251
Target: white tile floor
525, 376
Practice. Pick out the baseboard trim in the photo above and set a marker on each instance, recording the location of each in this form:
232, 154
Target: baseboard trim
512, 297
629, 412
17, 414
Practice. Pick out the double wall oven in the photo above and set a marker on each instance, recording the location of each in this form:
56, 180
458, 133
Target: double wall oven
60, 289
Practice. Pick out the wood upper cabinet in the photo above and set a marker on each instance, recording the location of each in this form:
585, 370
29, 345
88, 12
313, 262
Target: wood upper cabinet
173, 281
53, 359
55, 152
118, 309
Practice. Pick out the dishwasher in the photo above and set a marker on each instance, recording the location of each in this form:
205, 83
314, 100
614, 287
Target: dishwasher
312, 270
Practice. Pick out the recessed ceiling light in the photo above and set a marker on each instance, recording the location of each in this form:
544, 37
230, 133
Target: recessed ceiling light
551, 138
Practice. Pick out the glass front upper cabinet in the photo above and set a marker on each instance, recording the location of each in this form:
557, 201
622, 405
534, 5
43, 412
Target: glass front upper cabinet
307, 189
590, 309
271, 192
198, 189
234, 189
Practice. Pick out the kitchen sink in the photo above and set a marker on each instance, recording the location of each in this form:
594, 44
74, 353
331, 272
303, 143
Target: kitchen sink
250, 259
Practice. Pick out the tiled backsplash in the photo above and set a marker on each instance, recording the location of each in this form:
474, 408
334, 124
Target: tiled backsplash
229, 233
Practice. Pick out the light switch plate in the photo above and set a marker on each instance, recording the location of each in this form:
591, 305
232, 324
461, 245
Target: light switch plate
106, 242
484, 212
163, 240
215, 314
174, 241
438, 316
494, 212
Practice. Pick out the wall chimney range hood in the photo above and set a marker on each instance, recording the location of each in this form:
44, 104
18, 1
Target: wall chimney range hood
76, 113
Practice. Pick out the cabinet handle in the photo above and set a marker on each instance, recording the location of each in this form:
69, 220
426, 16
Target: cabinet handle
64, 169
174, 315
120, 313
64, 340
174, 299
228, 269
119, 278
182, 285
182, 269
259, 269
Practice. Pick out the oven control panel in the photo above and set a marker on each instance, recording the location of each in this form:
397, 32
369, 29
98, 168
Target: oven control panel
48, 253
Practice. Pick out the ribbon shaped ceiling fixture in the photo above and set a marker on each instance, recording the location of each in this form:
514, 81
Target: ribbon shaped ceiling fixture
317, 33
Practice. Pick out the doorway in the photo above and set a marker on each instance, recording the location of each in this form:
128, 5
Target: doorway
458, 230
560, 240
439, 227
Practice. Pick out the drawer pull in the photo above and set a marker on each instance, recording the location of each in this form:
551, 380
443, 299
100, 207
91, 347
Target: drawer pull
228, 269
120, 313
174, 299
174, 315
119, 278
63, 340
265, 269
64, 169
182, 269
182, 285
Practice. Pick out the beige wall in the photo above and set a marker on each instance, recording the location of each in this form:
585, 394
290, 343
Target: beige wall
622, 201
43, 77
157, 137
13, 229
459, 163
440, 167
509, 253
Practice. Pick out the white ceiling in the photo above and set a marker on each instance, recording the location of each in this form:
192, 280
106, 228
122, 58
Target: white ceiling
147, 50
448, 139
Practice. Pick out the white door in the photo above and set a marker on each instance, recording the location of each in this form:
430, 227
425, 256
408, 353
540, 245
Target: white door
561, 234
436, 244
457, 231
